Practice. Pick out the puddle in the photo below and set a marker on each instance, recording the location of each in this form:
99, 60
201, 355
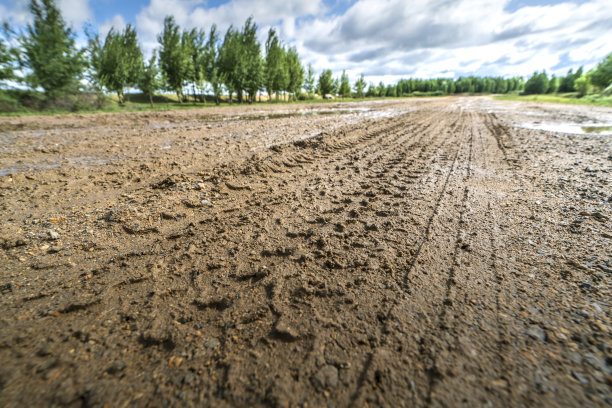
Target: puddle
600, 130
572, 128
266, 116
83, 161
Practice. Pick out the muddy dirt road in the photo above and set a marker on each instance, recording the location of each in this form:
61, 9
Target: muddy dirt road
408, 253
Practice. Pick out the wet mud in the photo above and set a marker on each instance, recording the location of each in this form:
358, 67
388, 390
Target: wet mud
426, 252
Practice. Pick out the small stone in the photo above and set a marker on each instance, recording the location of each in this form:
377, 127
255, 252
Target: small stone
580, 377
45, 350
52, 235
116, 367
212, 344
54, 250
285, 331
536, 333
189, 379
206, 202
6, 288
326, 377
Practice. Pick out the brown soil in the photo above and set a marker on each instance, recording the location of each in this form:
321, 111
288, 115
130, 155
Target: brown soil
419, 253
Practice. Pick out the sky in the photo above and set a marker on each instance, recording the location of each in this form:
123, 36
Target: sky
386, 40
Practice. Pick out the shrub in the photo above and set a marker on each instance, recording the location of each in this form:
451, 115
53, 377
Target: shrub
8, 103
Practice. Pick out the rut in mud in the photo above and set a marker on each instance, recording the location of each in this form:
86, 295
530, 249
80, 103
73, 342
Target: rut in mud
438, 257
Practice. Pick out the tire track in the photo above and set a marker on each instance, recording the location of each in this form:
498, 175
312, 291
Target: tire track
427, 236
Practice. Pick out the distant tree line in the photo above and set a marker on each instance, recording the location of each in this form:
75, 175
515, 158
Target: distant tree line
446, 86
598, 79
194, 63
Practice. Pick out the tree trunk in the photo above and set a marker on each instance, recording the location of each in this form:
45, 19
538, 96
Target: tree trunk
178, 96
151, 99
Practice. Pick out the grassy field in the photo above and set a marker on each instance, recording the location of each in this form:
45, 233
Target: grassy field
596, 100
140, 103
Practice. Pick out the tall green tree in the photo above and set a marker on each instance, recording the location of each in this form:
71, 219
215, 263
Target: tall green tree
567, 83
309, 81
174, 58
117, 63
372, 90
6, 62
210, 63
335, 86
276, 74
583, 84
537, 84
295, 76
49, 51
345, 86
9, 56
232, 67
193, 45
149, 82
253, 61
553, 84
360, 86
326, 83
602, 75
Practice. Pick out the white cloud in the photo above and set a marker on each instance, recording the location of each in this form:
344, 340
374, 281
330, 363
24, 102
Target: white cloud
116, 22
76, 12
16, 12
195, 13
390, 38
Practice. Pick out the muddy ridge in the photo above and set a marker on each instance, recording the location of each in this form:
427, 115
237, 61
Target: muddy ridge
426, 252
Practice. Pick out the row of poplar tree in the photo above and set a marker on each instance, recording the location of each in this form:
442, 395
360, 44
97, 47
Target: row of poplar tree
198, 63
189, 61
192, 61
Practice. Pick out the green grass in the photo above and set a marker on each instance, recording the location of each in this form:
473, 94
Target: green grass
571, 98
140, 103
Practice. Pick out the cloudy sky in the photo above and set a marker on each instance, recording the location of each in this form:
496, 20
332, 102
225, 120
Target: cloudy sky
384, 39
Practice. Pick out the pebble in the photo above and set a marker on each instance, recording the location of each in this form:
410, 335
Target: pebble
212, 344
536, 333
286, 331
189, 379
116, 367
580, 377
326, 377
206, 202
6, 288
52, 235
